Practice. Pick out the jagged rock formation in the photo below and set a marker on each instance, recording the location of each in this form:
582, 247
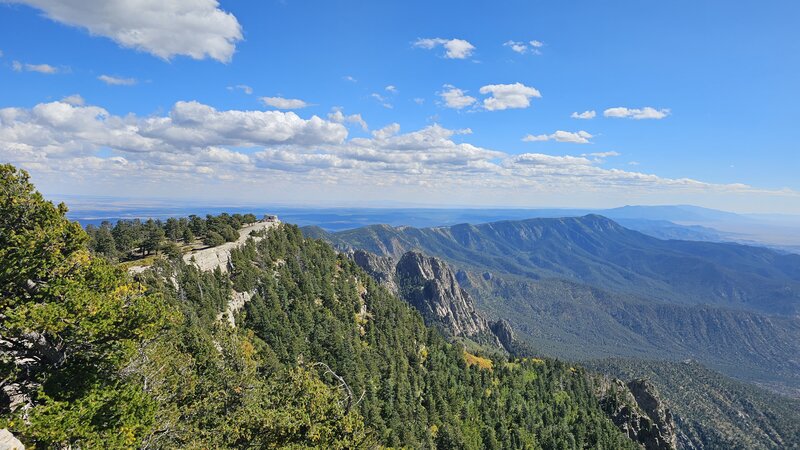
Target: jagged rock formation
431, 286
9, 442
380, 268
636, 409
502, 329
663, 436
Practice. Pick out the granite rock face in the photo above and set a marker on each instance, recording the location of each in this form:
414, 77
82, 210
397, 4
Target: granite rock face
431, 286
636, 409
380, 268
502, 329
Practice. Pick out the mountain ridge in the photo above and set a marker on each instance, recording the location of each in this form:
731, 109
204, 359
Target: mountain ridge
576, 286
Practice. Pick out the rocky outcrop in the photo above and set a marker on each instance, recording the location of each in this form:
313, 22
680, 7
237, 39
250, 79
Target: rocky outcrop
502, 329
235, 304
9, 442
636, 409
663, 435
431, 286
219, 257
380, 268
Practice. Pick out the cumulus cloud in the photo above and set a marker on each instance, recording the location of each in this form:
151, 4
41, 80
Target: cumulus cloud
279, 151
46, 69
391, 88
337, 116
508, 96
284, 103
644, 113
456, 98
195, 28
525, 47
74, 100
518, 47
591, 114
60, 129
578, 137
454, 48
117, 81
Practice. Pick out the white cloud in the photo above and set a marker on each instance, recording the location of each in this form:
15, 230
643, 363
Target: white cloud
391, 88
241, 87
454, 48
59, 129
74, 100
578, 137
591, 114
382, 100
338, 116
195, 28
643, 113
525, 47
507, 96
419, 100
282, 156
117, 81
518, 47
284, 103
456, 98
539, 159
349, 78
604, 154
41, 68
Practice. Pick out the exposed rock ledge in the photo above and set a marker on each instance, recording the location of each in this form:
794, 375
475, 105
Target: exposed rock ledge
235, 304
214, 257
9, 442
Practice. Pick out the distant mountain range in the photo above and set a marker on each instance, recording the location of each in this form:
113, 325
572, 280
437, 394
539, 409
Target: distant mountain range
664, 222
587, 287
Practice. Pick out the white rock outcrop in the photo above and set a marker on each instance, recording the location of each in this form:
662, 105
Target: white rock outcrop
220, 256
235, 304
9, 442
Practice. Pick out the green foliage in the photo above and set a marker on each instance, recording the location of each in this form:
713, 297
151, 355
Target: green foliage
311, 305
133, 239
580, 287
70, 321
323, 356
213, 239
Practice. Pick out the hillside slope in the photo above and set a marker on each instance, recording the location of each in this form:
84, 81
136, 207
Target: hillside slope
582, 287
713, 411
598, 251
310, 307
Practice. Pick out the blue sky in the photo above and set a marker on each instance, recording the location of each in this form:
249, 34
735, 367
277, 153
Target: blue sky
434, 101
